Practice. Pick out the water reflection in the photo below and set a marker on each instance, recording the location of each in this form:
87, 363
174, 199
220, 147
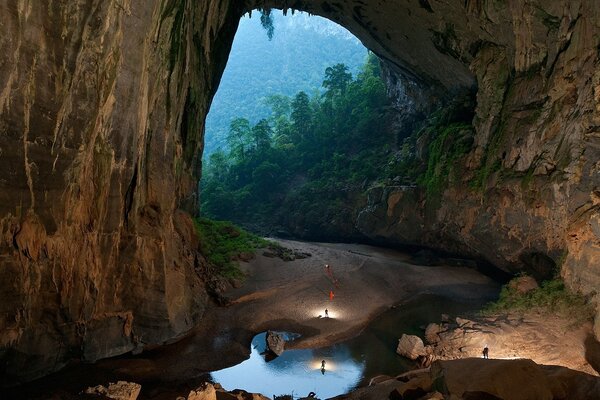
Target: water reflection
347, 365
297, 371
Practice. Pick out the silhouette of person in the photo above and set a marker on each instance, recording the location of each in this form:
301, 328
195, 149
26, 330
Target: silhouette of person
326, 313
323, 367
486, 352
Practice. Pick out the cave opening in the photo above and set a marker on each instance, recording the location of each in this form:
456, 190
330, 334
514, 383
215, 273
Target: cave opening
307, 121
299, 114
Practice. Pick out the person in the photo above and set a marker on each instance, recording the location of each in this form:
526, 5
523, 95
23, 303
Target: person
323, 364
331, 295
486, 352
326, 313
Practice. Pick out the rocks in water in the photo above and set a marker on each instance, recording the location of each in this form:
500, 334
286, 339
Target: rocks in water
121, 390
411, 346
523, 284
275, 342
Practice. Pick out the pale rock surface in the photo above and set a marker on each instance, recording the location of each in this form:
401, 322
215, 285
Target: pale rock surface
411, 346
121, 390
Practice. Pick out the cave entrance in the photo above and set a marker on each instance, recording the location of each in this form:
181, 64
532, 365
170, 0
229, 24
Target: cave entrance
296, 130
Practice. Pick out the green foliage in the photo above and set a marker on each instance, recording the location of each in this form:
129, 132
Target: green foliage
446, 148
552, 297
222, 242
301, 160
292, 61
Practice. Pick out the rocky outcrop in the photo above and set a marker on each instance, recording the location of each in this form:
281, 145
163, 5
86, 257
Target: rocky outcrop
275, 342
118, 391
102, 109
411, 346
208, 391
99, 151
472, 378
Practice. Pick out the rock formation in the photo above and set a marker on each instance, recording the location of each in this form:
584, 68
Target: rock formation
275, 342
411, 346
473, 378
102, 108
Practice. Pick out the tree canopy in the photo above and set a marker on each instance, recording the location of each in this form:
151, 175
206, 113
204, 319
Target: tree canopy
299, 158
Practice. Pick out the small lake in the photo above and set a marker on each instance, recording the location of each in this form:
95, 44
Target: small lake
349, 364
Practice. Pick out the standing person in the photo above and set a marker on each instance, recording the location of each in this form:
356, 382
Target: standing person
326, 315
322, 365
486, 352
331, 295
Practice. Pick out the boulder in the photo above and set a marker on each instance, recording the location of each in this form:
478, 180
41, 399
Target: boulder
205, 392
464, 323
432, 333
121, 390
523, 284
275, 342
506, 379
411, 346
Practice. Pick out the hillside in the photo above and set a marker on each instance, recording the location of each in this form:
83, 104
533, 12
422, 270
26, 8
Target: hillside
294, 60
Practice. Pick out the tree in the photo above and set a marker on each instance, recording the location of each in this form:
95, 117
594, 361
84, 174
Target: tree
301, 116
261, 135
279, 104
336, 80
238, 138
218, 167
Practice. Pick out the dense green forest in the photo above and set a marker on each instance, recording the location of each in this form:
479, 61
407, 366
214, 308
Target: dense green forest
303, 160
301, 48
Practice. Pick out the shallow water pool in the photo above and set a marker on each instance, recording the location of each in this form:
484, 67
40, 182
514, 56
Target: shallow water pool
349, 364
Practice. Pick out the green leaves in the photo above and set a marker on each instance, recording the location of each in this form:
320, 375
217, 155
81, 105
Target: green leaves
308, 152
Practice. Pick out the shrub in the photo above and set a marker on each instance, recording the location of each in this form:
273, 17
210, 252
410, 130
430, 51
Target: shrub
551, 297
221, 243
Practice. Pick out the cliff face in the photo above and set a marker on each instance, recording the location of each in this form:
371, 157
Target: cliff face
526, 196
100, 142
102, 107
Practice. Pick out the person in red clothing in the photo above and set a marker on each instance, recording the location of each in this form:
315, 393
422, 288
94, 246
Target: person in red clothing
331, 295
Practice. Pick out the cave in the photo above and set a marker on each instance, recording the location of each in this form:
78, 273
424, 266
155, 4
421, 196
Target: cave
101, 134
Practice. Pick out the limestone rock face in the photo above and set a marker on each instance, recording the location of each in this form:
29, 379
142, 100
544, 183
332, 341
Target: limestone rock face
99, 160
102, 107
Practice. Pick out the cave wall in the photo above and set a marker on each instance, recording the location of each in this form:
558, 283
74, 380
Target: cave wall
526, 197
102, 107
100, 146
